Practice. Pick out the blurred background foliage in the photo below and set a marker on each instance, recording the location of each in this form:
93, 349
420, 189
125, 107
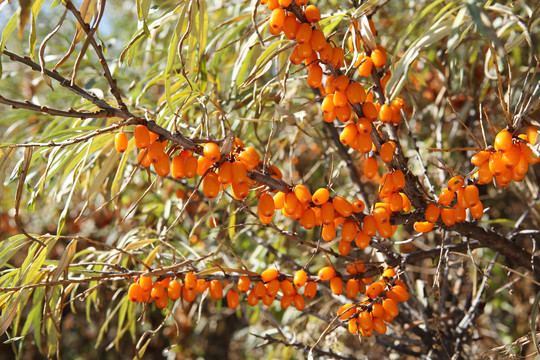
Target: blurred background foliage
198, 67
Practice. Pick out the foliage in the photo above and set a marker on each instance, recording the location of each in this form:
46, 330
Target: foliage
80, 222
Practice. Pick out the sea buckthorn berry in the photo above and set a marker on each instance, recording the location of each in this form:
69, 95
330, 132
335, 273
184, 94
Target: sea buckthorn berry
532, 135
279, 200
286, 301
287, 288
233, 299
400, 293
291, 202
211, 151
446, 197
448, 216
398, 103
216, 290
155, 151
381, 215
211, 186
266, 205
252, 299
365, 321
471, 195
299, 302
358, 206
338, 57
320, 196
371, 167
327, 273
460, 214
503, 140
432, 213
328, 232
239, 172
310, 290
374, 290
135, 293
396, 202
161, 303
349, 230
273, 287
342, 206
300, 278
143, 159
305, 50
290, 26
327, 105
340, 99
377, 311
163, 166
386, 113
308, 219
142, 136
174, 290
225, 173
346, 311
327, 213
406, 202
480, 157
341, 83
277, 19
511, 157
244, 282
363, 143
177, 167
369, 225
362, 240
190, 280
477, 210
158, 291
399, 179
455, 183
312, 14
202, 286
314, 78
269, 275
365, 66
318, 40
284, 3
348, 134
326, 54
336, 285
203, 164
379, 57
295, 56
386, 152
390, 307
343, 113
146, 283
352, 288
379, 325
423, 226
370, 110
355, 93
303, 35
120, 142
386, 187
302, 193
496, 164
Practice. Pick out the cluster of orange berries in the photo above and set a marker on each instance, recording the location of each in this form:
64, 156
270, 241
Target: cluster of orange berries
450, 211
294, 290
509, 160
380, 305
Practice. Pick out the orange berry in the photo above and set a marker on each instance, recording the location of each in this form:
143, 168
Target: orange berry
190, 166
269, 275
211, 186
312, 14
188, 295
532, 135
295, 56
300, 278
374, 290
352, 288
327, 213
302, 193
216, 290
284, 3
266, 205
338, 56
299, 302
310, 290
318, 40
381, 215
211, 151
423, 226
336, 285
244, 282
399, 179
396, 202
369, 225
308, 219
174, 290
448, 216
225, 173
480, 157
432, 213
353, 326
379, 57
202, 286
290, 27
406, 202
511, 157
342, 206
142, 136
386, 113
286, 301
328, 232
320, 196
326, 54
366, 64
120, 142
390, 307
233, 299
346, 311
446, 197
349, 230
471, 195
303, 35
155, 151
314, 78
163, 166
387, 152
348, 134
277, 19
355, 93
371, 167
135, 293
503, 140
327, 273
365, 321
362, 240
358, 206
496, 164
370, 110
455, 183
177, 167
273, 287
341, 83
477, 210
203, 164
343, 113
